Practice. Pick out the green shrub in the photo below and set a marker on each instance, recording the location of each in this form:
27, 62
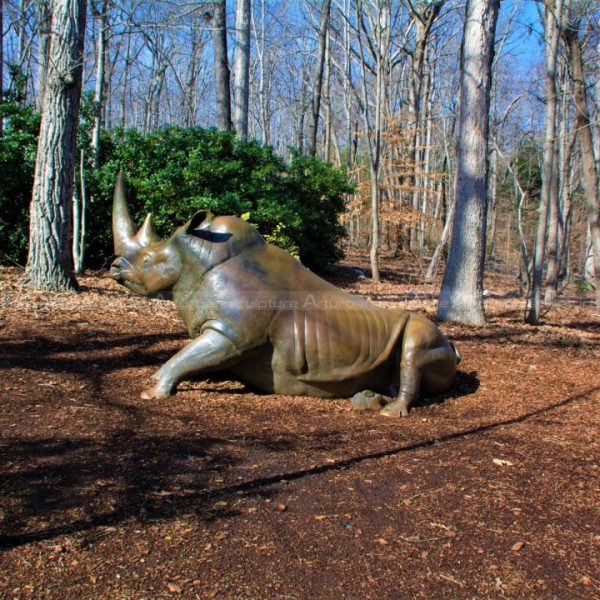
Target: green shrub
174, 172
18, 145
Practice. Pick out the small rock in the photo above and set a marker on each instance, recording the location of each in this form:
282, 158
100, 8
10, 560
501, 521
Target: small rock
174, 588
281, 507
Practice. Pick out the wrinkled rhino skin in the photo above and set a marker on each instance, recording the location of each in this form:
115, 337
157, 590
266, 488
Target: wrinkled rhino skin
252, 309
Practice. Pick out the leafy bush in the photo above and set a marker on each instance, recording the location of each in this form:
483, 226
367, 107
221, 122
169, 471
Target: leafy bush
174, 172
18, 145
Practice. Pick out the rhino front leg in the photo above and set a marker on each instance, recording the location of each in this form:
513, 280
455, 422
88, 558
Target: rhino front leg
208, 352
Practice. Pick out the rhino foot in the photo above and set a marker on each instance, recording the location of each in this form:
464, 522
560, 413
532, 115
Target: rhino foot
156, 393
368, 400
398, 408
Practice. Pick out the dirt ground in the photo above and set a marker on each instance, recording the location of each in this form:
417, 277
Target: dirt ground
491, 491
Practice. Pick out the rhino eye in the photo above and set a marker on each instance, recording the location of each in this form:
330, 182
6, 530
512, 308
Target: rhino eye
147, 263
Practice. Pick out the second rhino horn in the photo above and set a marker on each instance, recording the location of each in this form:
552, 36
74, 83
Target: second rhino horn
147, 235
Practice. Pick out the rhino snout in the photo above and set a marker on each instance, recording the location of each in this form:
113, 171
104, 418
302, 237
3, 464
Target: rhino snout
116, 269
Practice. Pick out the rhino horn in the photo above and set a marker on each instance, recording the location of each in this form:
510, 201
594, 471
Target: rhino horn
146, 235
122, 224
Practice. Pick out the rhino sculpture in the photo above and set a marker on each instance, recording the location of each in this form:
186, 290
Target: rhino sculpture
252, 309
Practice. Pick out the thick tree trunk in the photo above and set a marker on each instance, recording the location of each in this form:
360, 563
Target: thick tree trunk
241, 68
50, 260
313, 124
584, 135
553, 12
461, 295
222, 85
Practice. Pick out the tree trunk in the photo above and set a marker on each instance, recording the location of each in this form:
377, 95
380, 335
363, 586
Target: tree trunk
221, 67
101, 51
1, 61
461, 295
584, 135
553, 245
373, 130
79, 219
241, 68
43, 11
126, 71
50, 260
553, 12
313, 124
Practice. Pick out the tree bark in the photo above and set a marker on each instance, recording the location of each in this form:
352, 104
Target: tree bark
584, 135
461, 295
222, 85
313, 125
241, 68
50, 259
553, 12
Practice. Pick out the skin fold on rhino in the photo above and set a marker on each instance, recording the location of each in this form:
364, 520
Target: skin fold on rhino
254, 310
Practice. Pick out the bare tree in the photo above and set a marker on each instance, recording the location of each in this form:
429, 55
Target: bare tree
1, 60
100, 12
222, 77
553, 10
241, 68
43, 10
461, 295
50, 260
584, 135
378, 16
313, 124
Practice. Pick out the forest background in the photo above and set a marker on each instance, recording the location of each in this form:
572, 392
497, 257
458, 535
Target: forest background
326, 79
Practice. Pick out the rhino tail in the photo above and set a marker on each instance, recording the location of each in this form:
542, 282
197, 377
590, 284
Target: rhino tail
458, 356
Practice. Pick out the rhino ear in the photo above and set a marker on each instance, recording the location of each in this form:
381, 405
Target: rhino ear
201, 220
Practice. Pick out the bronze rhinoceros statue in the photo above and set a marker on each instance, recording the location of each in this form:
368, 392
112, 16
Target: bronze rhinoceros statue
254, 310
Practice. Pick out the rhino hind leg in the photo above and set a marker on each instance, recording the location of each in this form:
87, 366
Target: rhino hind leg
427, 363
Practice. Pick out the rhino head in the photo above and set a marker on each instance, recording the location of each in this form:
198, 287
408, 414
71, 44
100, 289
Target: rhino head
147, 265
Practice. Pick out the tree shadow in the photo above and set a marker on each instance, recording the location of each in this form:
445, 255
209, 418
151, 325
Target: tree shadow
58, 486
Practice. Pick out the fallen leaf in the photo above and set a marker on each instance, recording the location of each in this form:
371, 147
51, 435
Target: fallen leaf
502, 463
320, 517
585, 580
381, 541
516, 547
253, 509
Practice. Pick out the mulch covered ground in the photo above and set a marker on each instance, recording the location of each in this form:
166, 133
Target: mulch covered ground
490, 491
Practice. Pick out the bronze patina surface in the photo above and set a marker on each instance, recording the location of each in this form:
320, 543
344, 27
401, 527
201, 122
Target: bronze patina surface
252, 309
